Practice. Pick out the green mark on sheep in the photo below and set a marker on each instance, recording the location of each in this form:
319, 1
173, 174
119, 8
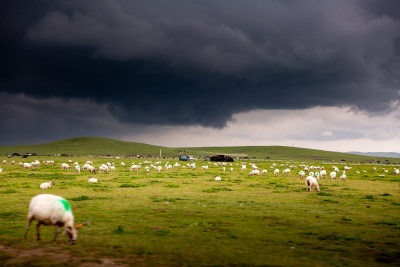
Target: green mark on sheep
67, 207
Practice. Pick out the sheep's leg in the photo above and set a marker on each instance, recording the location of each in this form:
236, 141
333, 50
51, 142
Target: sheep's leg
38, 231
28, 224
57, 232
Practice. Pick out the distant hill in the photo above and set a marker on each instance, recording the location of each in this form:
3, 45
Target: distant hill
90, 146
107, 146
378, 154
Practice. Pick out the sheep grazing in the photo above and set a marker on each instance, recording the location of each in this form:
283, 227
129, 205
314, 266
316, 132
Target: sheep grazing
159, 168
264, 172
302, 174
312, 182
104, 168
396, 171
254, 172
4, 161
286, 172
27, 165
65, 166
322, 173
243, 168
91, 169
204, 167
54, 210
122, 164
78, 169
231, 169
343, 177
47, 185
13, 162
134, 168
92, 180
218, 178
332, 175
276, 171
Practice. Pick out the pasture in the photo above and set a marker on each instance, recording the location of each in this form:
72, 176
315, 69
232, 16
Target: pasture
184, 217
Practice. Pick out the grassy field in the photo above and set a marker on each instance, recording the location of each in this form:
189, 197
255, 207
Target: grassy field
103, 146
184, 217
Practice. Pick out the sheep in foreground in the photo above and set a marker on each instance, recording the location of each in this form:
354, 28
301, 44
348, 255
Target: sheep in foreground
312, 182
54, 210
332, 175
276, 171
47, 185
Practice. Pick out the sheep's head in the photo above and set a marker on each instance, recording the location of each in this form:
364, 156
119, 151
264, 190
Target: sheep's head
71, 233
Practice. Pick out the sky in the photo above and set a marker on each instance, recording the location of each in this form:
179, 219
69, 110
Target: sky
305, 73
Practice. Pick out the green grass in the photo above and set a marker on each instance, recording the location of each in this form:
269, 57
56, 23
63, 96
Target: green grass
184, 217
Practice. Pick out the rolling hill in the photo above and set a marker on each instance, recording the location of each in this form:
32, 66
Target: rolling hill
106, 146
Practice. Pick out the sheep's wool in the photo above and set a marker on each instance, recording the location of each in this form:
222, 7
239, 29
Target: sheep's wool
67, 207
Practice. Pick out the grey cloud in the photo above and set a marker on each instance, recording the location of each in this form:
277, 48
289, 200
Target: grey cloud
198, 63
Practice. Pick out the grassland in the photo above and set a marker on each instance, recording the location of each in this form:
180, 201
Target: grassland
105, 146
184, 217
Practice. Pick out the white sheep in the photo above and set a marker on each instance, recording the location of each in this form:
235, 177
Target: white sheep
343, 177
4, 161
264, 172
54, 210
104, 168
134, 168
92, 180
254, 172
396, 171
65, 166
122, 164
302, 174
13, 162
91, 169
332, 175
27, 165
47, 185
323, 173
286, 171
231, 169
312, 182
218, 178
159, 168
276, 171
78, 169
205, 167
243, 168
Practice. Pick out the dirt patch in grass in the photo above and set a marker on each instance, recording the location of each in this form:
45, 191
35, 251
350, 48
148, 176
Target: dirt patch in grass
52, 256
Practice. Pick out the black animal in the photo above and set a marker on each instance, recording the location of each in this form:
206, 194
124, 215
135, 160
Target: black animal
221, 158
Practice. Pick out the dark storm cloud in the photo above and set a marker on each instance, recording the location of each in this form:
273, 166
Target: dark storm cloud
199, 62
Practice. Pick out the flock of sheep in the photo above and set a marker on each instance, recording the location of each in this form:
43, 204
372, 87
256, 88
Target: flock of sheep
54, 210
